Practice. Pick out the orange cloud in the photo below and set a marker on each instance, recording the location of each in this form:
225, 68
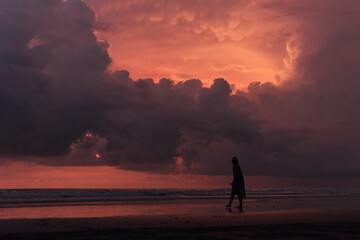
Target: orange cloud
19, 175
235, 40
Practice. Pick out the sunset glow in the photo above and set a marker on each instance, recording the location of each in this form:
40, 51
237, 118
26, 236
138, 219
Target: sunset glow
179, 119
187, 41
177, 88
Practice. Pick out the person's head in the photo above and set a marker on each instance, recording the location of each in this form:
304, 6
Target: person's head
235, 161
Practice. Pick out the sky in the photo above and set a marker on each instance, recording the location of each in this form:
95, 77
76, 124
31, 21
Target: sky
181, 40
154, 91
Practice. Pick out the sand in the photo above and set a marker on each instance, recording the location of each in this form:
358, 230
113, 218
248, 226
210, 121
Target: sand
292, 224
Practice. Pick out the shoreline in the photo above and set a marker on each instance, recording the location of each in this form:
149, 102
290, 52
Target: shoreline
304, 223
196, 207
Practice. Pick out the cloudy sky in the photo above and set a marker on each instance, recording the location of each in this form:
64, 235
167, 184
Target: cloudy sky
146, 90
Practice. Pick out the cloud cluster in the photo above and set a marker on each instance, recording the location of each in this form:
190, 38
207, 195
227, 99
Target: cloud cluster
61, 104
316, 108
236, 40
58, 99
50, 66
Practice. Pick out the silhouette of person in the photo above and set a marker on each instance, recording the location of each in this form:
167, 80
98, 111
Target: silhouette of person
238, 185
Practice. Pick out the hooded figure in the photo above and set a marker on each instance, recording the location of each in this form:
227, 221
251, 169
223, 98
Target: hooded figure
238, 185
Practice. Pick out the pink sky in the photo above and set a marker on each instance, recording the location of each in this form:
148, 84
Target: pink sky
20, 175
240, 41
71, 117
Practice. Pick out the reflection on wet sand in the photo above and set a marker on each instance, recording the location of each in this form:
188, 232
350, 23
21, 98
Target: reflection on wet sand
180, 207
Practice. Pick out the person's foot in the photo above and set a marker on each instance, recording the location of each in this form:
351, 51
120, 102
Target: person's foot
239, 207
228, 205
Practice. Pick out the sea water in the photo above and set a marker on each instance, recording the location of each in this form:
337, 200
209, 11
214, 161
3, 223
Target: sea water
63, 203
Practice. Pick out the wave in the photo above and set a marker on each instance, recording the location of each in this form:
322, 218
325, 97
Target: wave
68, 196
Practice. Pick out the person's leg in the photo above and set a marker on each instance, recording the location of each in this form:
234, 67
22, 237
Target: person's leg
240, 203
231, 198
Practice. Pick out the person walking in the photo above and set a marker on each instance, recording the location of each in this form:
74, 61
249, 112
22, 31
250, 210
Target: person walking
238, 184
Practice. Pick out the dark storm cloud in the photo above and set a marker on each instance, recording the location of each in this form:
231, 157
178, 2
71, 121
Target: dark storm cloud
317, 106
59, 101
150, 130
50, 59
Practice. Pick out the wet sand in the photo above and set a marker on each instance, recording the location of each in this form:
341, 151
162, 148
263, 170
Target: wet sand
197, 207
287, 224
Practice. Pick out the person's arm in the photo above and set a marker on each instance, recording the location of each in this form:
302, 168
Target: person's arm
234, 176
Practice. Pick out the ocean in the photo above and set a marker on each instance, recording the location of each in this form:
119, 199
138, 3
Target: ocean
14, 197
64, 203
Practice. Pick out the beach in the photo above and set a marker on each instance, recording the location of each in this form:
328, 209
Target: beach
194, 214
291, 224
